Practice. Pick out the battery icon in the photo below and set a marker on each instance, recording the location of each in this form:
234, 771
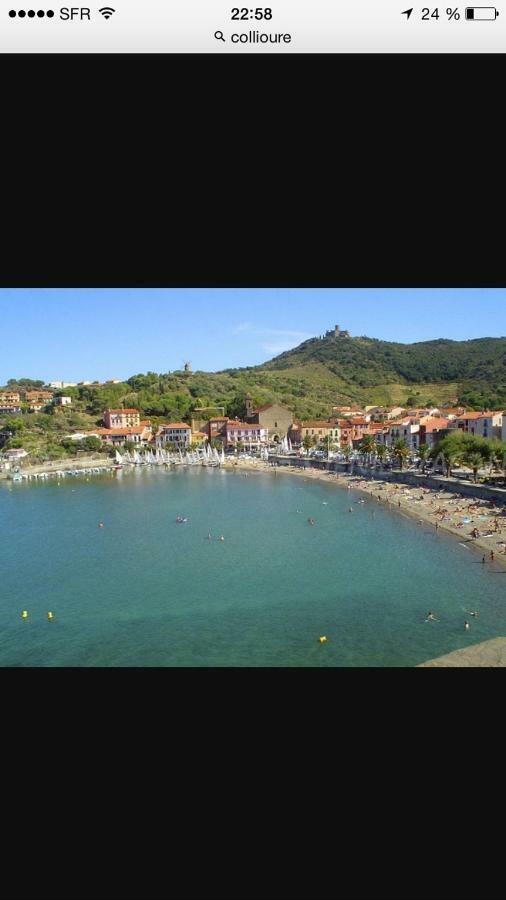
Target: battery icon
481, 13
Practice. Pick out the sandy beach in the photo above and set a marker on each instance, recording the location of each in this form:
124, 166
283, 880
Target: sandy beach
489, 654
448, 511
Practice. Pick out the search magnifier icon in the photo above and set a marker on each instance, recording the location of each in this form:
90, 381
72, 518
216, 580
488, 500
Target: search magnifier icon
219, 36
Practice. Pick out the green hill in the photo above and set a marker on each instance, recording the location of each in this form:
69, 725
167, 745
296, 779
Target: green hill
310, 379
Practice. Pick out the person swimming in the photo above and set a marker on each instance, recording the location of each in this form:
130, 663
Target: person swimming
431, 617
467, 626
474, 614
221, 538
311, 521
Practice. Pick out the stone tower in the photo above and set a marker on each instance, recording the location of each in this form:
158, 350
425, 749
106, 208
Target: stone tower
336, 331
188, 367
249, 405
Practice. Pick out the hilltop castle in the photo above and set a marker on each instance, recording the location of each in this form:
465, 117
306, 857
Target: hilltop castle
337, 333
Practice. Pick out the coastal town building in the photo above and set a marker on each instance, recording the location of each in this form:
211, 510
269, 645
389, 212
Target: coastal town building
217, 429
486, 424
7, 397
177, 434
352, 430
11, 407
199, 437
432, 429
201, 416
65, 384
407, 429
62, 401
273, 417
116, 437
122, 418
318, 431
250, 436
34, 398
12, 455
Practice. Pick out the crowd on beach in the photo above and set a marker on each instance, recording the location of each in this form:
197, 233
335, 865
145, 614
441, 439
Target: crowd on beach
477, 522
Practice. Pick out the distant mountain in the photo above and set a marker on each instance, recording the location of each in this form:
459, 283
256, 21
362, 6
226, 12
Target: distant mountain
331, 370
310, 380
368, 362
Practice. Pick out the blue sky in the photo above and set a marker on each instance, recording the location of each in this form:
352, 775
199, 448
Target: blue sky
76, 335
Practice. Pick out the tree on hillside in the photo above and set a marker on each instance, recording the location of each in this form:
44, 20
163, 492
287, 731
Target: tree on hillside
14, 383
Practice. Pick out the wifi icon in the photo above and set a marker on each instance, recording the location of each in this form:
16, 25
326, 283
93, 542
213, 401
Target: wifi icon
107, 11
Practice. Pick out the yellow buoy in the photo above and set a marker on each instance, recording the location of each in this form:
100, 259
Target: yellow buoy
323, 640
50, 615
24, 614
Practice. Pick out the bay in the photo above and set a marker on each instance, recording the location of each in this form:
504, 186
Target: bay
146, 591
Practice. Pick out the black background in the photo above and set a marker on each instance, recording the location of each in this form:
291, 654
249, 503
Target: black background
290, 171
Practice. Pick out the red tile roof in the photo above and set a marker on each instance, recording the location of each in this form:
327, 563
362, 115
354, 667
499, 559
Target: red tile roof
176, 425
127, 412
129, 429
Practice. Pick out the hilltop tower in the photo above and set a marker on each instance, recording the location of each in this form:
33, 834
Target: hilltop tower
188, 367
249, 405
336, 331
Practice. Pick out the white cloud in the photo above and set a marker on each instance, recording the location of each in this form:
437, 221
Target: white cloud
277, 348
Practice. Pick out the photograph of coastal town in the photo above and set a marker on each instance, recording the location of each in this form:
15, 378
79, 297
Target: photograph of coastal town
228, 478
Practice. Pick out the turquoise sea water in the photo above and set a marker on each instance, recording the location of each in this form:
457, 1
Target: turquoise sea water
145, 591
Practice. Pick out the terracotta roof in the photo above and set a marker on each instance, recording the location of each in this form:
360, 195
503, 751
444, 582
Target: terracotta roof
315, 424
176, 425
435, 424
263, 408
231, 424
476, 415
130, 429
127, 412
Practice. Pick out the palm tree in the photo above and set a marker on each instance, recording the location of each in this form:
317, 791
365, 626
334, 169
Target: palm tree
328, 442
422, 453
450, 456
474, 460
368, 446
346, 451
401, 451
381, 452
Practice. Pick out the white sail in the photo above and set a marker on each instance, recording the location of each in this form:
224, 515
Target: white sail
119, 458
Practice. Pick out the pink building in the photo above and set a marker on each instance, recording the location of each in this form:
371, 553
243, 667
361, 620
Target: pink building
122, 418
246, 434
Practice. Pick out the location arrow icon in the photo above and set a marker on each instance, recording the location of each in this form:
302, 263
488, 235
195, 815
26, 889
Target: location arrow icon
407, 12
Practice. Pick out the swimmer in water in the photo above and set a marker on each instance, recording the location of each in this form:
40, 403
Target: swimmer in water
467, 626
475, 614
431, 617
221, 538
